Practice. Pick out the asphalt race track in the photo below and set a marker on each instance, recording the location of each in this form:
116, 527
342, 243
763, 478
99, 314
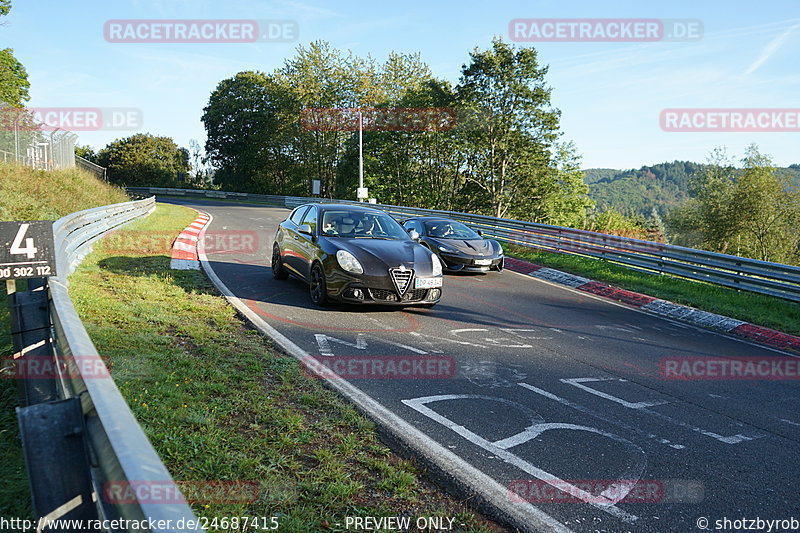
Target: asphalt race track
540, 386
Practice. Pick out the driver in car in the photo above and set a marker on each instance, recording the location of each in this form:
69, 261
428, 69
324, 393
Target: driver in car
369, 226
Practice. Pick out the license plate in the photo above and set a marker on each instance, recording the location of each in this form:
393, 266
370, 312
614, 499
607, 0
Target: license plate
427, 283
483, 261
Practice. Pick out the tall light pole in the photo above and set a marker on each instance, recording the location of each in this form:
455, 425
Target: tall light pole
360, 158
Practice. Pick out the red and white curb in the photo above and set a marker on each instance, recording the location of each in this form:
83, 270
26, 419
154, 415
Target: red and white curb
184, 249
732, 326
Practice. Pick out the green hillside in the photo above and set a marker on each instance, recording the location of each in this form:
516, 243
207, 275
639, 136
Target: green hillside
29, 194
638, 191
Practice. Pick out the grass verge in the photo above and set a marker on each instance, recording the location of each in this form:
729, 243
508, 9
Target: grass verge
763, 310
219, 403
29, 194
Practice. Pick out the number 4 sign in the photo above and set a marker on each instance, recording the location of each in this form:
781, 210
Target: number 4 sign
27, 249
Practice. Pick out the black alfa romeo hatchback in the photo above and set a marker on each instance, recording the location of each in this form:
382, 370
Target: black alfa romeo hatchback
357, 255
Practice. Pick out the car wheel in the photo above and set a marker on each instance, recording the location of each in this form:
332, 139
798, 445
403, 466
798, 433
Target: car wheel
278, 270
318, 288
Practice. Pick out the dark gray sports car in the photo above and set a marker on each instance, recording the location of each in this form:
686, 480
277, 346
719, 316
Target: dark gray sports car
460, 248
355, 254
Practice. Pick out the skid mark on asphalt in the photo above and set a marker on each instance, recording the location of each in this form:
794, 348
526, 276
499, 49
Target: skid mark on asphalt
490, 374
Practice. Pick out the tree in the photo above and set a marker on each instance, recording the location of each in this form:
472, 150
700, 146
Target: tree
501, 158
86, 152
244, 120
768, 209
14, 84
656, 228
752, 211
561, 195
320, 76
509, 152
143, 160
709, 219
199, 176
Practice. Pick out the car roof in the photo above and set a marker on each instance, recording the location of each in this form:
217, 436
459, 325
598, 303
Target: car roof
431, 219
328, 207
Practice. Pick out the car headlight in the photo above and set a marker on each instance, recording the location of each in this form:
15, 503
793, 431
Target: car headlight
445, 248
348, 262
437, 265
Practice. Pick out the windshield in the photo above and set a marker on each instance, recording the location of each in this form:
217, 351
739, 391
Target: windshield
448, 229
360, 224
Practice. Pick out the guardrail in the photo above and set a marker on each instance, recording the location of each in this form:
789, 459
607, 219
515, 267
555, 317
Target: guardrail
731, 271
94, 168
119, 454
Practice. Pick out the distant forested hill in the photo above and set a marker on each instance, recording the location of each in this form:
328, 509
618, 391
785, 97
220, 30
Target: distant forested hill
663, 186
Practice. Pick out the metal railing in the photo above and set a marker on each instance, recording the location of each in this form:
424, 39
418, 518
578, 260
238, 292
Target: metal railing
121, 455
774, 279
94, 168
26, 141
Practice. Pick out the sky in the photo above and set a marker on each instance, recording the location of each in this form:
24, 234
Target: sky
611, 94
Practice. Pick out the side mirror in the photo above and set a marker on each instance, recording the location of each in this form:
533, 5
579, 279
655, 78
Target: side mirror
305, 229
413, 234
479, 232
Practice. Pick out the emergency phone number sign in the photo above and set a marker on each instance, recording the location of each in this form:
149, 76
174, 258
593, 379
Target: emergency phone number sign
27, 249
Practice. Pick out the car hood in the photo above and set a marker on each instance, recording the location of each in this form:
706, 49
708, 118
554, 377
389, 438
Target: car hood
479, 247
378, 255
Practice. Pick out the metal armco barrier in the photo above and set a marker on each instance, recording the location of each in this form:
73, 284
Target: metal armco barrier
90, 421
774, 279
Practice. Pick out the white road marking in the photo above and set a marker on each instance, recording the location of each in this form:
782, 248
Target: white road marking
579, 382
496, 448
733, 439
519, 331
405, 347
426, 342
464, 343
490, 340
323, 343
589, 412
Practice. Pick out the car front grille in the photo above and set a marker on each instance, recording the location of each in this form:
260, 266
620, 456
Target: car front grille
401, 279
387, 295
